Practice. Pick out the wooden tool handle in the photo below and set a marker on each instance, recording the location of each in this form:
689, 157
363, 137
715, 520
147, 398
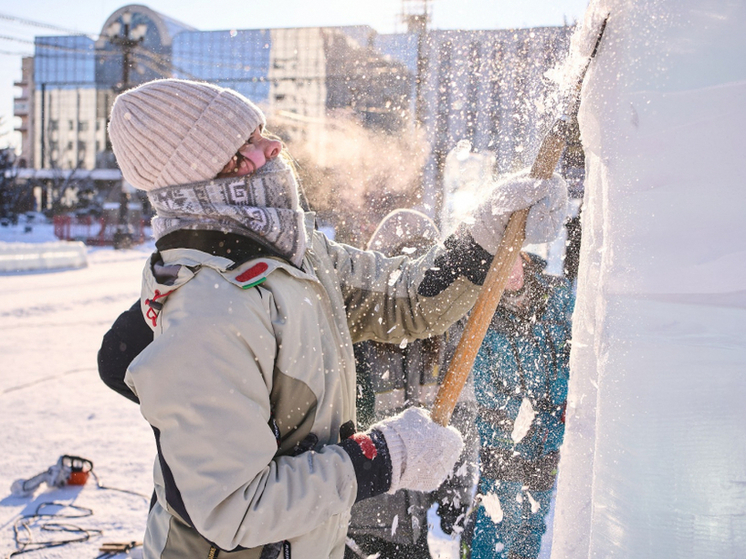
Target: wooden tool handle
550, 151
480, 318
494, 286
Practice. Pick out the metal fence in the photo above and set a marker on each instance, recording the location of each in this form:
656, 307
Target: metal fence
98, 231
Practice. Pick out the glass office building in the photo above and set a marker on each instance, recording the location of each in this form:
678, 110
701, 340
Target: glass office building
301, 73
488, 87
237, 59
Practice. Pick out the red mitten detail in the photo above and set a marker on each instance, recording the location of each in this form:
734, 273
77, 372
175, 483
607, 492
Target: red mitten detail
366, 445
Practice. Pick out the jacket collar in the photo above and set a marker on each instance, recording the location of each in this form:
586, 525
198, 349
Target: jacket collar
236, 248
232, 246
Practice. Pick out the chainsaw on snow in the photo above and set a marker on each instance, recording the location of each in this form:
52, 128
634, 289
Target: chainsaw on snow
69, 470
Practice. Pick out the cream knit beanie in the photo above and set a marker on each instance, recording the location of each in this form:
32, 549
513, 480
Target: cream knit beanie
168, 132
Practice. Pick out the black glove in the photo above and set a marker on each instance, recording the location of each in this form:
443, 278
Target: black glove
451, 516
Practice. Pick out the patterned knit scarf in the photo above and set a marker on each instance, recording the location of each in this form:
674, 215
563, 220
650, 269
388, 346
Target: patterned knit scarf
262, 206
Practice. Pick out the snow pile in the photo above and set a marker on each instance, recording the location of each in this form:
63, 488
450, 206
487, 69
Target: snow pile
654, 459
30, 245
22, 257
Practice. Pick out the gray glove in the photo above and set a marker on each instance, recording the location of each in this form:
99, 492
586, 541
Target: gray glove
422, 452
547, 199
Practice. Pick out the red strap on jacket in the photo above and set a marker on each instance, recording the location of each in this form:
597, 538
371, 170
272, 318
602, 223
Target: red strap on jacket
154, 307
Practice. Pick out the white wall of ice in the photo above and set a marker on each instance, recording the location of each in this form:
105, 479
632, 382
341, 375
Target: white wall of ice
654, 459
24, 257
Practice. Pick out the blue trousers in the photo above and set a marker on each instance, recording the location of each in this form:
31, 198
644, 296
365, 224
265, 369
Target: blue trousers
522, 526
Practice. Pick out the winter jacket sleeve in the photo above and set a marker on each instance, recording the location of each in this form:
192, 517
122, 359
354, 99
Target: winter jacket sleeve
391, 299
205, 386
126, 338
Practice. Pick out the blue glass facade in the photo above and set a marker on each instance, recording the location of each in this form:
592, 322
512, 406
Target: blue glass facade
238, 59
150, 59
66, 61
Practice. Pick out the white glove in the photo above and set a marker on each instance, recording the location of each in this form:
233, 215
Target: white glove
547, 199
422, 452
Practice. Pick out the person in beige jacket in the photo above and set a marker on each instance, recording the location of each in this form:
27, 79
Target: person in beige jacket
249, 382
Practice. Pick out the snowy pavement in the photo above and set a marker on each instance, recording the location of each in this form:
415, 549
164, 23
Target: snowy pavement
52, 401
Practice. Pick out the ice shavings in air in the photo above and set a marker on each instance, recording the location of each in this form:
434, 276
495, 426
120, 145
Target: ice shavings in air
582, 43
491, 504
523, 421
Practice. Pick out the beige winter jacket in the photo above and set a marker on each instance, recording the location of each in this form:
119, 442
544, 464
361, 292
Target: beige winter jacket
246, 362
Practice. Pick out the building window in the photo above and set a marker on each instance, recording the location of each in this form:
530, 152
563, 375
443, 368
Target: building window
83, 126
71, 125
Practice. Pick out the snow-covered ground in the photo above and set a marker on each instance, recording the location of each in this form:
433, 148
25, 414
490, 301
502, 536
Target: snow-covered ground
52, 401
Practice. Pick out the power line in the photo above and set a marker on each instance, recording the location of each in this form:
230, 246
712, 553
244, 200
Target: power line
9, 53
32, 23
210, 62
163, 66
16, 39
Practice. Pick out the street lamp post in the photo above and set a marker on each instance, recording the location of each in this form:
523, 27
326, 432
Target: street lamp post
127, 39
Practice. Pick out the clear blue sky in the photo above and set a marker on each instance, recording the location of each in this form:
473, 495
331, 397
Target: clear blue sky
88, 16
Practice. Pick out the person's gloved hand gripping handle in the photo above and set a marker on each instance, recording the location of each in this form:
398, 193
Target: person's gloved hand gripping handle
547, 199
406, 451
409, 450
